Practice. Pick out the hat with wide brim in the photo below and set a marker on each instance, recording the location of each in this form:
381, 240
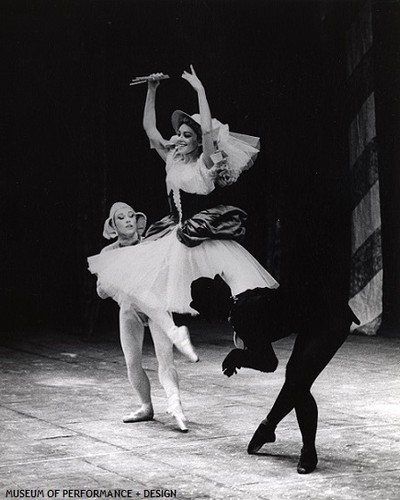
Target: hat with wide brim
178, 115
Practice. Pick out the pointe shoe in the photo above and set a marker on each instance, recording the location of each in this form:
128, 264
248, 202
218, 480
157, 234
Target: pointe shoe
140, 415
308, 461
264, 434
181, 340
175, 409
181, 421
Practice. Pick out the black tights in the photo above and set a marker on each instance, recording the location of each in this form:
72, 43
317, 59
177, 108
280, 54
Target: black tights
311, 354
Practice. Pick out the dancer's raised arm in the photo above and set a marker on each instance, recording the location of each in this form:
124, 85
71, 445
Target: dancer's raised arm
205, 115
149, 118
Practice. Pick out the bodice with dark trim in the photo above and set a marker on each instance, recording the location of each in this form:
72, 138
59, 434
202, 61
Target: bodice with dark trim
197, 216
191, 204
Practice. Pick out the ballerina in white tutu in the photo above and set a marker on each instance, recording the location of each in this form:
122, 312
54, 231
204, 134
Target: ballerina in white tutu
195, 239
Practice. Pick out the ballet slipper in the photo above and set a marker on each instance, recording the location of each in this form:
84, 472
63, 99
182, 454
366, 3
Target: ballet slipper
308, 461
175, 410
265, 433
181, 339
140, 415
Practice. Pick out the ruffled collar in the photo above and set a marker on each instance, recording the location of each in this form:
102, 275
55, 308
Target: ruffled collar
177, 156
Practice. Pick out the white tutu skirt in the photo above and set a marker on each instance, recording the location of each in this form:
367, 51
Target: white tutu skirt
158, 274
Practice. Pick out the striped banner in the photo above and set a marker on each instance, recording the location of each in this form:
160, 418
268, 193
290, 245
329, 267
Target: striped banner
366, 265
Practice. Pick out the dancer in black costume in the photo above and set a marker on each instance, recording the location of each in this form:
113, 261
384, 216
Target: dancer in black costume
322, 323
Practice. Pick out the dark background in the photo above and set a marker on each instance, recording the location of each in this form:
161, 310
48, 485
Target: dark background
74, 143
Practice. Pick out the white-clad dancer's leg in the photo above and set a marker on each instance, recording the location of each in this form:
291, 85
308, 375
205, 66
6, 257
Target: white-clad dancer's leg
179, 335
167, 373
131, 335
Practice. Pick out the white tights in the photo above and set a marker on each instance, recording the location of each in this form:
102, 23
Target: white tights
131, 335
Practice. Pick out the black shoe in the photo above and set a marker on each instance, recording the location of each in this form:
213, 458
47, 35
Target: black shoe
264, 434
308, 461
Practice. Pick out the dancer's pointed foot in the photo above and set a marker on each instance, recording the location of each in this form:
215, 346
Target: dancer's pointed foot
175, 409
181, 421
143, 414
181, 340
265, 433
308, 460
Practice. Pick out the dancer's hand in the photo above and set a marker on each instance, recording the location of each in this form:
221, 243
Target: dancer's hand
232, 362
154, 80
193, 79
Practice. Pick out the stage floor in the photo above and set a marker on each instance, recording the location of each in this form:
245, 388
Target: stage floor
62, 400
